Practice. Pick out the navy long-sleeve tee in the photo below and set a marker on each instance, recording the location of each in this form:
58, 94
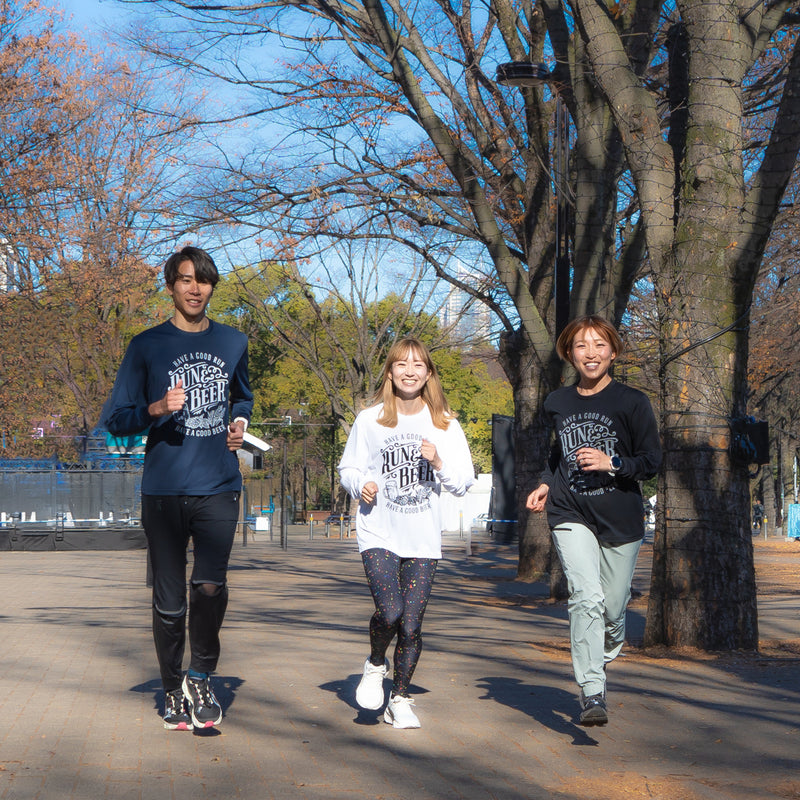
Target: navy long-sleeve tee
619, 421
186, 451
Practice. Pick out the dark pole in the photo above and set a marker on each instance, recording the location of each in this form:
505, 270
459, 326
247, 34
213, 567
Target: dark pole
333, 459
305, 477
524, 73
284, 522
562, 261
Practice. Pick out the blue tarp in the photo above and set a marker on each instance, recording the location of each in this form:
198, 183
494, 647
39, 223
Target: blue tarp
793, 521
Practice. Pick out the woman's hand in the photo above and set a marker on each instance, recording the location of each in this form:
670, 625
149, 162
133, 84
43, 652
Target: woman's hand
590, 459
428, 452
369, 492
537, 498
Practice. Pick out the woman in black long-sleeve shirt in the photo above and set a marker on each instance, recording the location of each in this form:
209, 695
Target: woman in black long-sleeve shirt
606, 442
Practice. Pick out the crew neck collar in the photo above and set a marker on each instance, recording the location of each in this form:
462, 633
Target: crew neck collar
206, 329
594, 393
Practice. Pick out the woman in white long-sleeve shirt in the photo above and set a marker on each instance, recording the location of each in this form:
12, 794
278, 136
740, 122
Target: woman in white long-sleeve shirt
401, 453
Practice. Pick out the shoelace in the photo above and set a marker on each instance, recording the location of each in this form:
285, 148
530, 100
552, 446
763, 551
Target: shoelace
204, 691
174, 704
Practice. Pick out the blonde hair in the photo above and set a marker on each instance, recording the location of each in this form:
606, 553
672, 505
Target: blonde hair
432, 392
580, 324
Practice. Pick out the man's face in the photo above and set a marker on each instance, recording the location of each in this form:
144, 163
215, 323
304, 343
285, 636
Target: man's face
189, 296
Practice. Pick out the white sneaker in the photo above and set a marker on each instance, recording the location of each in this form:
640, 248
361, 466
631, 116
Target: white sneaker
369, 693
399, 714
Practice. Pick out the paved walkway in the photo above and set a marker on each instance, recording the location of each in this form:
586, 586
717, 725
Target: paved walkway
80, 695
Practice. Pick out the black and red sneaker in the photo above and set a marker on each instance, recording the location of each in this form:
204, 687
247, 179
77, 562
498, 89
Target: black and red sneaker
203, 706
175, 716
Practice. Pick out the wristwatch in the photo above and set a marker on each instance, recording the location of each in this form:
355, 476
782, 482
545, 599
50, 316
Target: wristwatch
616, 463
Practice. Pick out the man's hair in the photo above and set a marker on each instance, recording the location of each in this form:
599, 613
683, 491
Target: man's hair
205, 270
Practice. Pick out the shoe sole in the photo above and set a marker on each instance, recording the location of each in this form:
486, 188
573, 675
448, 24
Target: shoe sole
211, 723
389, 718
597, 719
203, 725
181, 726
394, 724
370, 707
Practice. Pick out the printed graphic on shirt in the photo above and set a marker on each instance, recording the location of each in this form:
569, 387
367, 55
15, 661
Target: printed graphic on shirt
587, 429
205, 382
408, 478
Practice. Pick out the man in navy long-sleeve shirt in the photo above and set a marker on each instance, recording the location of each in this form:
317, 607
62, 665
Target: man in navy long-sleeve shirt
186, 382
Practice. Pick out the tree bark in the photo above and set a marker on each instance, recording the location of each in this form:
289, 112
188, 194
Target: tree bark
768, 490
532, 433
703, 591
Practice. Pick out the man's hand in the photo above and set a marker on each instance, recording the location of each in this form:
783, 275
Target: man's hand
235, 437
172, 401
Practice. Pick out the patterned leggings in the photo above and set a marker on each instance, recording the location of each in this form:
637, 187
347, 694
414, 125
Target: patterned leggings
400, 588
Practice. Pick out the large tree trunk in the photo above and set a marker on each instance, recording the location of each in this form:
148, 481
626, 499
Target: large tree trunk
703, 590
532, 438
768, 491
703, 582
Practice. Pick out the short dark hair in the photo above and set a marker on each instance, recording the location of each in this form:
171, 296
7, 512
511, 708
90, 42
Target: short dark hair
598, 323
205, 270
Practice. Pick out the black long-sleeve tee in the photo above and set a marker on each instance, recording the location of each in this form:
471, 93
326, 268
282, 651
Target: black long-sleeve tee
619, 421
187, 451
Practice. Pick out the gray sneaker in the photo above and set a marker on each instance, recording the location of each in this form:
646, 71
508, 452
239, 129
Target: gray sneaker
593, 710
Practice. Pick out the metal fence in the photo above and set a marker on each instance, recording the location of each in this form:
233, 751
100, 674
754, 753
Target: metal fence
80, 494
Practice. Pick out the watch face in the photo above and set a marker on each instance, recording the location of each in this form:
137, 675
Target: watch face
616, 462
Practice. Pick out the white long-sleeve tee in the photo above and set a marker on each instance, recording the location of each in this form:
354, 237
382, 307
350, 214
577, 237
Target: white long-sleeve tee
406, 516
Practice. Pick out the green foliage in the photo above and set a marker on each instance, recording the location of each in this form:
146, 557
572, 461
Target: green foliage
320, 359
475, 396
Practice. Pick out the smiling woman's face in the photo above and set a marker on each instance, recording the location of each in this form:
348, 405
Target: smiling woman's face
591, 355
409, 375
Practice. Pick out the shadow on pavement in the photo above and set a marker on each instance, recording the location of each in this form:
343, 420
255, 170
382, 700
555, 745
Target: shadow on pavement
550, 707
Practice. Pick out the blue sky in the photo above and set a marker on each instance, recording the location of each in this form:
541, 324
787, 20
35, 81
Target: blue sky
89, 15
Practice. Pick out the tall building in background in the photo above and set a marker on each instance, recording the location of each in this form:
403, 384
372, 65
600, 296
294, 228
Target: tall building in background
462, 314
8, 278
